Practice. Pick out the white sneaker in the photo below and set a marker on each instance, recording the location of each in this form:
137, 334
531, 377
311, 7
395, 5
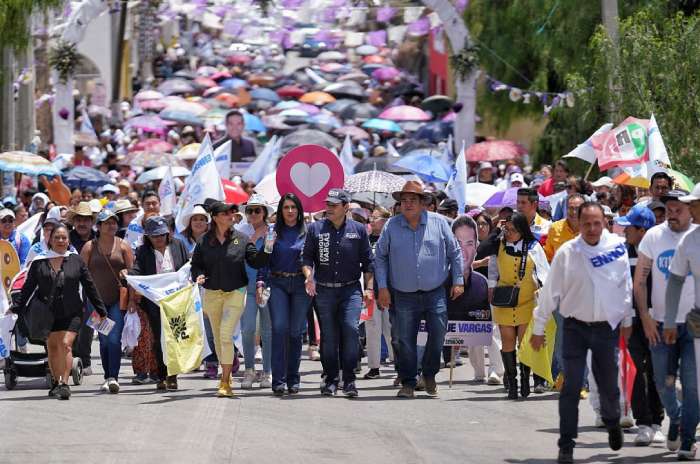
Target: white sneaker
113, 385
626, 421
258, 354
659, 436
314, 355
644, 436
24, 348
687, 455
105, 387
87, 371
248, 379
494, 379
265, 381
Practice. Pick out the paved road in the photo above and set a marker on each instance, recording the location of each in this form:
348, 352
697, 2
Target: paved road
469, 423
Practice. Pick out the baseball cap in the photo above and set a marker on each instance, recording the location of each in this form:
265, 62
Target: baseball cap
517, 177
337, 196
220, 207
448, 204
604, 181
674, 195
656, 204
694, 195
156, 225
106, 215
6, 212
109, 188
9, 200
638, 216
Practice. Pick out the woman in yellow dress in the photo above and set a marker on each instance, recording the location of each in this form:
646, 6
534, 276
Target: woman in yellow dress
513, 285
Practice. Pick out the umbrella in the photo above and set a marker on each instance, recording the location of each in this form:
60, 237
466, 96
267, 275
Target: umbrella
214, 116
239, 58
373, 59
206, 71
294, 113
495, 150
354, 132
82, 177
333, 68
150, 159
478, 193
152, 105
146, 123
364, 50
291, 91
84, 139
205, 82
311, 110
360, 112
267, 187
227, 99
181, 117
27, 163
324, 121
288, 104
317, 98
265, 94
233, 83
382, 125
434, 132
234, 192
253, 123
185, 106
188, 152
221, 75
185, 74
264, 80
437, 104
339, 105
404, 113
507, 197
353, 76
386, 74
384, 200
309, 136
154, 145
275, 122
374, 181
346, 89
332, 56
407, 89
370, 68
426, 166
159, 173
148, 95
175, 86
378, 163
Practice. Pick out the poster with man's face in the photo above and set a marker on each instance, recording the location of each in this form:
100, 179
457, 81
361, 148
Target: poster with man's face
466, 237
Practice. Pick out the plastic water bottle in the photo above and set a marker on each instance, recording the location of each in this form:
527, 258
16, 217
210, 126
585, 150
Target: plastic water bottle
265, 296
270, 238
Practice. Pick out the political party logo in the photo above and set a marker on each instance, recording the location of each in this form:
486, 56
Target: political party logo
663, 262
631, 139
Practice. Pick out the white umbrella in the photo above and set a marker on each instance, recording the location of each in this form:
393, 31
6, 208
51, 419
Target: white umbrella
365, 50
159, 173
478, 193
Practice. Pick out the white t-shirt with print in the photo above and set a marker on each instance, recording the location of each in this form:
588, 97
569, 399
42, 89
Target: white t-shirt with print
687, 261
659, 244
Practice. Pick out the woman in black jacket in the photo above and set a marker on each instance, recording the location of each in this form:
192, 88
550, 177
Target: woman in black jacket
63, 272
218, 263
160, 253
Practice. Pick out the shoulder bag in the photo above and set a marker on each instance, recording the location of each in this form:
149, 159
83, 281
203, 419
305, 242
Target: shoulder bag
506, 296
123, 291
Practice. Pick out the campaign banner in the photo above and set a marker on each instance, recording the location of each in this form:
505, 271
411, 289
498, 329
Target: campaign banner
476, 332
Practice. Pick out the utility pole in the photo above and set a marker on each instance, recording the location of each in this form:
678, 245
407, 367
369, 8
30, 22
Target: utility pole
609, 13
7, 99
119, 58
25, 102
44, 119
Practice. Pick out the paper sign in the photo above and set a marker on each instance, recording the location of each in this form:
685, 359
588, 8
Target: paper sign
462, 333
104, 326
310, 171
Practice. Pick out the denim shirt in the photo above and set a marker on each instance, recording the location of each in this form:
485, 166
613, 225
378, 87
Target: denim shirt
286, 254
418, 260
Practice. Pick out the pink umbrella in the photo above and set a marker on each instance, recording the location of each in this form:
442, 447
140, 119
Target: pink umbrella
147, 123
386, 74
309, 109
148, 95
205, 82
354, 132
404, 113
152, 105
153, 145
495, 150
213, 91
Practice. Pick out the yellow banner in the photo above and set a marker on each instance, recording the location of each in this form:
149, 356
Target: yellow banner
539, 361
182, 331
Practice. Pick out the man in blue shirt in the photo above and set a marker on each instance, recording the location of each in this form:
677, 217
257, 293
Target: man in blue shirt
336, 251
8, 232
416, 253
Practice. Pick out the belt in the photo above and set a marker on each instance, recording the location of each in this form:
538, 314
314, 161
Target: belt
590, 324
286, 274
336, 284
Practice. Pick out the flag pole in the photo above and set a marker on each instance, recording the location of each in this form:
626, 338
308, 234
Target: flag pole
452, 363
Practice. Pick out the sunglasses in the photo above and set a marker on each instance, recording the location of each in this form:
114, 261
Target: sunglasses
7, 220
253, 210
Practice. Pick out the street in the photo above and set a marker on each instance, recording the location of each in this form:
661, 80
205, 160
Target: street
468, 423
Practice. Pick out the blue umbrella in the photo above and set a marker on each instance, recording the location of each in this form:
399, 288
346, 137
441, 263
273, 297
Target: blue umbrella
434, 132
253, 123
425, 165
287, 105
263, 93
82, 176
381, 125
324, 121
233, 83
27, 163
182, 117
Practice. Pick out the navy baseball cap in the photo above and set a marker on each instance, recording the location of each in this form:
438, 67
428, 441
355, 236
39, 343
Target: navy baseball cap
338, 196
639, 216
156, 225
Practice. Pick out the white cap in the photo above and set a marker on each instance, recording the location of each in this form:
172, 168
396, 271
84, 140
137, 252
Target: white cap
607, 211
694, 195
95, 206
604, 181
6, 212
517, 177
109, 188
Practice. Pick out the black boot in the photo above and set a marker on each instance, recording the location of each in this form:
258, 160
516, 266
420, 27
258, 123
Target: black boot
511, 372
524, 380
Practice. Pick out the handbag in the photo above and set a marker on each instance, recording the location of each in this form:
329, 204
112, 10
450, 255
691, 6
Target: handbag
38, 317
506, 296
123, 291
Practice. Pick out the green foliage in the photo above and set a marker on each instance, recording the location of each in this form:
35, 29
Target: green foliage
14, 19
64, 58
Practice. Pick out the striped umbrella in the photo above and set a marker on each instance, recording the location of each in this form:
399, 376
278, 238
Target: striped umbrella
27, 163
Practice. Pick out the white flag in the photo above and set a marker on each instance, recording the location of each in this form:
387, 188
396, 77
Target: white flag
265, 163
222, 155
657, 150
346, 158
585, 150
391, 151
204, 182
158, 286
166, 192
459, 184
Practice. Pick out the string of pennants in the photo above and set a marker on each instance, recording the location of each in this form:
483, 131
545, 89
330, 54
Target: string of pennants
549, 100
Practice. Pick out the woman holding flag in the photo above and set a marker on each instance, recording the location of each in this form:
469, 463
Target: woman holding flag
218, 264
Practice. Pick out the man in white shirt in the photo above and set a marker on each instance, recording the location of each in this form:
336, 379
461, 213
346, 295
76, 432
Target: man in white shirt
655, 253
590, 282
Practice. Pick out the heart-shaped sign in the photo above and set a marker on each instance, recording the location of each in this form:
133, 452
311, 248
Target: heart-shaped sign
309, 171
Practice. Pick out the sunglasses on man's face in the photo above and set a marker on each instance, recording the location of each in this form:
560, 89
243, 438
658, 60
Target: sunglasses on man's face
253, 211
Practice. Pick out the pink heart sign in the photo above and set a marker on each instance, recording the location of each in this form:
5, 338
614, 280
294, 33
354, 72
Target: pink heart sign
309, 172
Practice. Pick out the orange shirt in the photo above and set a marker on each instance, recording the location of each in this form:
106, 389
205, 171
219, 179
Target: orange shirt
559, 233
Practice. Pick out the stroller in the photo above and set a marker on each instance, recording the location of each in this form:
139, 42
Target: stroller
32, 365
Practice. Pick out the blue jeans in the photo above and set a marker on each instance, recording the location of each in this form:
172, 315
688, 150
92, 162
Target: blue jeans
685, 414
111, 345
411, 308
248, 325
288, 304
339, 315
